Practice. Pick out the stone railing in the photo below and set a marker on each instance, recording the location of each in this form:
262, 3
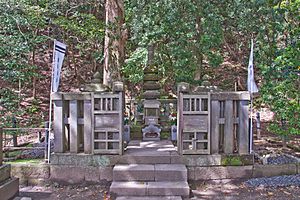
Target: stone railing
211, 121
89, 122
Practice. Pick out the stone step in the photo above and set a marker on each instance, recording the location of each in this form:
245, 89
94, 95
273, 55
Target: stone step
157, 172
170, 172
150, 159
133, 172
173, 188
149, 198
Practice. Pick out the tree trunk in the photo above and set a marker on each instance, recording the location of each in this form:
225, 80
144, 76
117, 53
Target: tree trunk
114, 41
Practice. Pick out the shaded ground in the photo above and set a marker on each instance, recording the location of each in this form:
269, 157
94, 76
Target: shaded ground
74, 192
229, 189
224, 189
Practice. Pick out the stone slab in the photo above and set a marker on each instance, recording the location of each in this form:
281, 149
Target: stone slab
128, 188
168, 188
9, 189
170, 172
145, 159
92, 174
210, 173
149, 198
202, 160
229, 172
4, 172
67, 174
82, 159
25, 171
274, 170
191, 173
106, 173
237, 172
133, 172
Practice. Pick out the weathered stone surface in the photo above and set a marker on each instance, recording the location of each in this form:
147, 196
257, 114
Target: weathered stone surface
210, 173
106, 173
274, 170
170, 172
25, 171
133, 172
230, 172
183, 87
128, 188
37, 181
145, 159
9, 189
118, 87
82, 159
67, 174
168, 188
92, 174
236, 172
151, 94
202, 160
191, 173
4, 172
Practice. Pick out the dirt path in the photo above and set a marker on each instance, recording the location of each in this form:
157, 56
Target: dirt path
225, 189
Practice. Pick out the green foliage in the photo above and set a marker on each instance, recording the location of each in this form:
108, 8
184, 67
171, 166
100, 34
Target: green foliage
185, 34
281, 84
232, 161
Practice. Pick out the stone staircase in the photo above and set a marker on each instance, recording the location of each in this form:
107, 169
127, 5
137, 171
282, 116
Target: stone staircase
150, 170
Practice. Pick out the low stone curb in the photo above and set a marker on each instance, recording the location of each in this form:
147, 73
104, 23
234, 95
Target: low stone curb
34, 174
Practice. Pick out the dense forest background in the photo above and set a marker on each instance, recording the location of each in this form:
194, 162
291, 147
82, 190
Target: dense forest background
192, 38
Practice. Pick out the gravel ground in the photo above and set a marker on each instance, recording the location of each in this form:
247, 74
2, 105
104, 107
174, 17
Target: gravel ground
280, 159
276, 181
220, 189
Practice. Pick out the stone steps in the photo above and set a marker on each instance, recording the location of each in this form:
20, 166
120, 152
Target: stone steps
166, 188
151, 158
150, 170
146, 172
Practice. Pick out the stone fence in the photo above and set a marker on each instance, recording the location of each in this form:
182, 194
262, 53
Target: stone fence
89, 122
212, 122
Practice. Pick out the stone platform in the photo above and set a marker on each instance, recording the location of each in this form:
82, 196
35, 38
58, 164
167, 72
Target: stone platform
151, 170
9, 187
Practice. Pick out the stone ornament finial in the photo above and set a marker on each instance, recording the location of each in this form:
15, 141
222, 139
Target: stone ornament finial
183, 87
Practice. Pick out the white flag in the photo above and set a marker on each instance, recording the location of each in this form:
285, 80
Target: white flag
252, 88
58, 58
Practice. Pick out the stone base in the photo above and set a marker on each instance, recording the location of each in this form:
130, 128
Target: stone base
151, 139
9, 188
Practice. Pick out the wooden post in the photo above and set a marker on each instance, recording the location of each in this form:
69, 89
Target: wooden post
228, 129
74, 136
243, 128
58, 127
215, 127
179, 122
1, 148
87, 116
121, 122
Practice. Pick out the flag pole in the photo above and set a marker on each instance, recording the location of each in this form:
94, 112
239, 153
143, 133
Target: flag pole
50, 108
251, 123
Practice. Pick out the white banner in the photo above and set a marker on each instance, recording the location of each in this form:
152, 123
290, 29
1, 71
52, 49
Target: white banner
58, 58
252, 88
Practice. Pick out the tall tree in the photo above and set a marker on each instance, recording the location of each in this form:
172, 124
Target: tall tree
114, 41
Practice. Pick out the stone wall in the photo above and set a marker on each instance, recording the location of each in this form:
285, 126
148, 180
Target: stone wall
77, 168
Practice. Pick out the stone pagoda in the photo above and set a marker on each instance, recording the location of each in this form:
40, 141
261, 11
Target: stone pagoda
151, 88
